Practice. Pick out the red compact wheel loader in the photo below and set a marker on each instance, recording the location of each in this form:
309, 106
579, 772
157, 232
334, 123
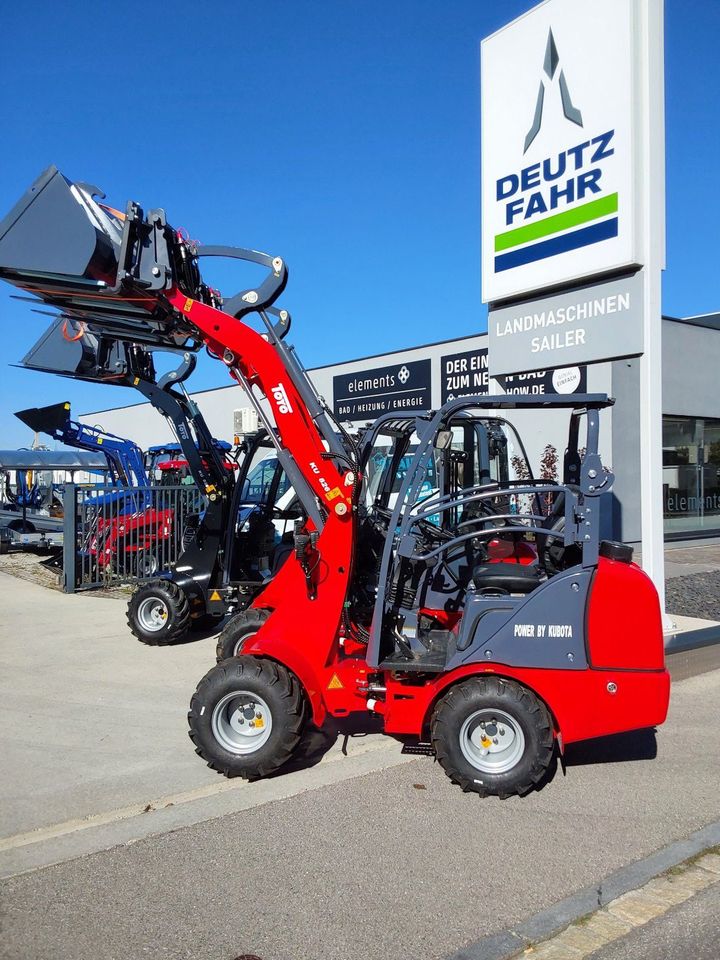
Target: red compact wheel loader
389, 602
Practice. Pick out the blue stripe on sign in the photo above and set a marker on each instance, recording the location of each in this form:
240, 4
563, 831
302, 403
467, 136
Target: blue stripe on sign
550, 248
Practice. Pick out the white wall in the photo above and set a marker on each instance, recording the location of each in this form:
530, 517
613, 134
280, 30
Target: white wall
146, 427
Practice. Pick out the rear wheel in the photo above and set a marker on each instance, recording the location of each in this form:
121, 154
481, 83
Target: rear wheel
493, 737
146, 564
240, 628
159, 613
246, 717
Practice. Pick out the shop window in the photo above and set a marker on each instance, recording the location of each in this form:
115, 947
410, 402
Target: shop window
691, 475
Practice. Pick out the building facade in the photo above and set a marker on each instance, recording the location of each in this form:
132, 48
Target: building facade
360, 390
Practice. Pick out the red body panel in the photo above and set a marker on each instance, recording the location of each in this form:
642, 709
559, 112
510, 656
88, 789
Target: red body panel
579, 700
624, 620
625, 650
304, 634
130, 534
243, 349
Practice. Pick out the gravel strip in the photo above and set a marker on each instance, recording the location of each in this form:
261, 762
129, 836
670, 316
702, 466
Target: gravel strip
694, 596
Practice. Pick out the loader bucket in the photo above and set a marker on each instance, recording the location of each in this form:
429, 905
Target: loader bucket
81, 356
51, 419
58, 233
102, 269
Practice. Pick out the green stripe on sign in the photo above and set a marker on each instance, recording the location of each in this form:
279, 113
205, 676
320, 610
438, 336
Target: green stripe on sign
559, 221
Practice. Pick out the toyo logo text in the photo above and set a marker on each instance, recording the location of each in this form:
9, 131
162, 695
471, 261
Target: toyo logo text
281, 398
557, 203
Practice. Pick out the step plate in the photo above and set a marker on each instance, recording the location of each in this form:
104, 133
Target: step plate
418, 749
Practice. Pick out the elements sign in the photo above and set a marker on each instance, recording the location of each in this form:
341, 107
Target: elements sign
466, 375
367, 394
559, 104
588, 324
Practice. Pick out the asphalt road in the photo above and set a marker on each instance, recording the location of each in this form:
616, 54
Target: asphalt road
365, 855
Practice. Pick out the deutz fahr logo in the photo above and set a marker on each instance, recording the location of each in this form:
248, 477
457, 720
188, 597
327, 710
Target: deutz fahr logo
558, 203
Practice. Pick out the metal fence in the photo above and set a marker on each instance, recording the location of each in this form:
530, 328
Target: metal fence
114, 535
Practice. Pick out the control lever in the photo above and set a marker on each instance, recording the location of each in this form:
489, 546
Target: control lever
307, 556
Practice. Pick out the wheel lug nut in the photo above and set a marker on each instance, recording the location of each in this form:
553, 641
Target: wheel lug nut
258, 715
252, 723
501, 731
494, 739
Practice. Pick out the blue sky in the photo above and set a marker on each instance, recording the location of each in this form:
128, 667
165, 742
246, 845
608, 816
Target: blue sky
344, 136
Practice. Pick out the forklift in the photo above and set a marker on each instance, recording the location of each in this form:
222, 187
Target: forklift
386, 606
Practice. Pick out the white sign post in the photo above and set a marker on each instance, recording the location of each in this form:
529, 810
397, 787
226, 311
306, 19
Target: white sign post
651, 137
573, 204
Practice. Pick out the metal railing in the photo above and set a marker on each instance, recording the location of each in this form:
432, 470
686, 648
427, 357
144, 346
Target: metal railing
114, 535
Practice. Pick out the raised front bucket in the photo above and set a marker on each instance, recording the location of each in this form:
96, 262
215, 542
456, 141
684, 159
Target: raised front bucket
57, 234
52, 419
81, 356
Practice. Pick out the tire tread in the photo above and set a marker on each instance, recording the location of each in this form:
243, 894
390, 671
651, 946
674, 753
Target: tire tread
213, 686
445, 726
178, 606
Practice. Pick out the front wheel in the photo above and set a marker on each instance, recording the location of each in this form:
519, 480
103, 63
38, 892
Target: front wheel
246, 717
159, 613
493, 737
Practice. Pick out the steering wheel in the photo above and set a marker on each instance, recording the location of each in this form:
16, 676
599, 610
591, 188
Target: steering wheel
433, 532
475, 515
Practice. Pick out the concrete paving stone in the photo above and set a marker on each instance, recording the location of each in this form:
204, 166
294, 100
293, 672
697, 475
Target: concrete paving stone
694, 878
553, 950
636, 907
606, 926
581, 937
664, 890
711, 862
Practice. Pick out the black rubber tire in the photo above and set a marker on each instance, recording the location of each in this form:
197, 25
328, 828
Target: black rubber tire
236, 631
283, 695
176, 603
206, 621
478, 693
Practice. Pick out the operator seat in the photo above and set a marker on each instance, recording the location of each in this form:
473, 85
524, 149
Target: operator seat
506, 577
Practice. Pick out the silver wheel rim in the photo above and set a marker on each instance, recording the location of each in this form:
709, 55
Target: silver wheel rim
241, 722
148, 565
153, 614
239, 643
492, 741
